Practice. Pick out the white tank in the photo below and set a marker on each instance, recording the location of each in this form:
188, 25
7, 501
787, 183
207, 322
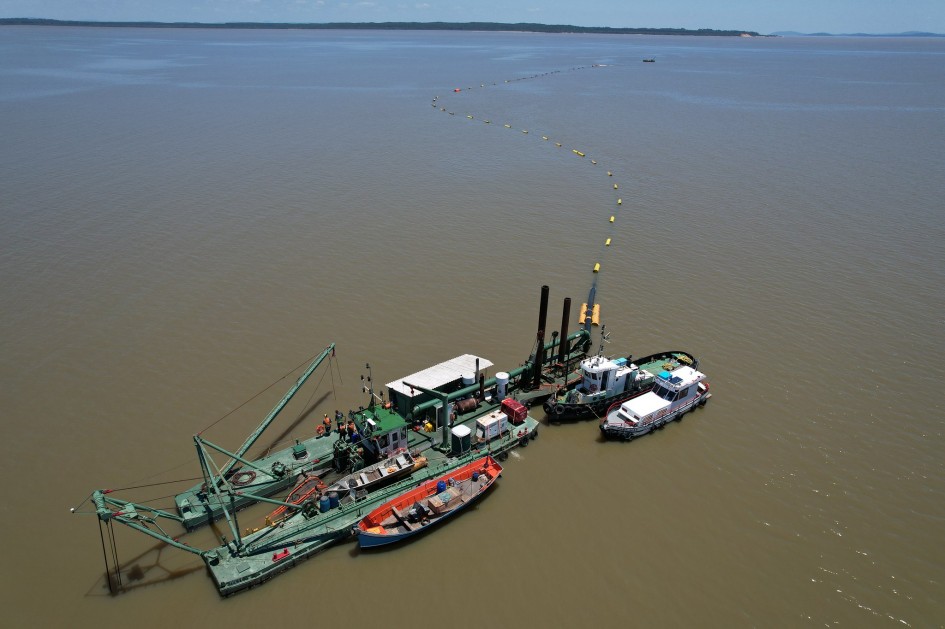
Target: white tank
501, 382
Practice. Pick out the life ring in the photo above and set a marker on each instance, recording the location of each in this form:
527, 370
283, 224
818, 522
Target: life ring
520, 433
243, 478
391, 470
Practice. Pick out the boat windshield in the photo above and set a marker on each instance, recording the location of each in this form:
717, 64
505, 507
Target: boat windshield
664, 393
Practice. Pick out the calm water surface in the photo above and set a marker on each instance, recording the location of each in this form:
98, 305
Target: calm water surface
185, 215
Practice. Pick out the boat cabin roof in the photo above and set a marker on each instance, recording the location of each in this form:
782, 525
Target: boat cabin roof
680, 378
600, 364
384, 420
643, 405
438, 375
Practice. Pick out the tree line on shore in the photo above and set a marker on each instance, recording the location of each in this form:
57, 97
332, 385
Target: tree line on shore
396, 26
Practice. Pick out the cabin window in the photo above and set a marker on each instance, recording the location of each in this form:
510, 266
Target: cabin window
663, 392
682, 394
383, 441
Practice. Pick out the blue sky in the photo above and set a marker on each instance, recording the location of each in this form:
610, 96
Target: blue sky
765, 16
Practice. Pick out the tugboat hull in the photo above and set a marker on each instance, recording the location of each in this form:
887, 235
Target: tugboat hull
592, 406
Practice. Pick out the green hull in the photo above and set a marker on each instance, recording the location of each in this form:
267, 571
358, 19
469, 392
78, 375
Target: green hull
429, 417
275, 549
197, 507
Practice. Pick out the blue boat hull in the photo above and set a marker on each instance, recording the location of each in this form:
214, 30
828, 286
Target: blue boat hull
373, 540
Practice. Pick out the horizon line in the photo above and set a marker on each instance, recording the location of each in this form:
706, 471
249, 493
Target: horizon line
388, 25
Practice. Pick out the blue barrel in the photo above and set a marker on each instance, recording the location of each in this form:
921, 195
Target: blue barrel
333, 499
324, 504
440, 486
475, 476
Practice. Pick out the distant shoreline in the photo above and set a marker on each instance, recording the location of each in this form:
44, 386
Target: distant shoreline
392, 26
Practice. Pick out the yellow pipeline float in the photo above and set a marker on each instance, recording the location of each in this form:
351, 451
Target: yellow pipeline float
595, 314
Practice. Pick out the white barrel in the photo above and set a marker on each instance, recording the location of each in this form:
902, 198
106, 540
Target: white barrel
469, 379
501, 382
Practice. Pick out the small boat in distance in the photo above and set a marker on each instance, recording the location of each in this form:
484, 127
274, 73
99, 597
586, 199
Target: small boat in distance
649, 60
430, 503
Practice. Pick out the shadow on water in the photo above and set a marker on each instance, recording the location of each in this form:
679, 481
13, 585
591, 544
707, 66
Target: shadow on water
152, 566
146, 569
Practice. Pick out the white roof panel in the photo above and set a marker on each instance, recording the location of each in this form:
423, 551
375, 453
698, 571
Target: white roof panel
438, 375
645, 404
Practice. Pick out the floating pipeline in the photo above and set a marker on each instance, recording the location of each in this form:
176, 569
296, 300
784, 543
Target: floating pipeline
546, 137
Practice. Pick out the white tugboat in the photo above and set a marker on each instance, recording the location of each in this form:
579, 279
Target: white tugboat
673, 394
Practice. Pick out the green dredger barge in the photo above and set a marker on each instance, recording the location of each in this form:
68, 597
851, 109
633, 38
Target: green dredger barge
449, 414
